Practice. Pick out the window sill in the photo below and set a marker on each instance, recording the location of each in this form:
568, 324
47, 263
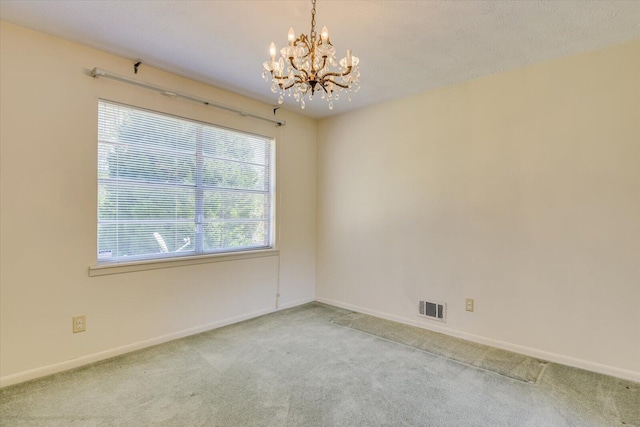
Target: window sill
129, 267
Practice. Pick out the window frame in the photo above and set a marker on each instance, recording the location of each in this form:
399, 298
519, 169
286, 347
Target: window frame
199, 254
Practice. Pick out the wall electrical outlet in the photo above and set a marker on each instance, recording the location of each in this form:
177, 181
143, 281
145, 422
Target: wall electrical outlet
468, 304
79, 323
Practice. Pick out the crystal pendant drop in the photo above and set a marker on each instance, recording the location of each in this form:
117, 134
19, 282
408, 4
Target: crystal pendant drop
280, 99
330, 105
302, 104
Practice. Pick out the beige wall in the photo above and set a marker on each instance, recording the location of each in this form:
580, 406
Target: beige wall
521, 190
48, 114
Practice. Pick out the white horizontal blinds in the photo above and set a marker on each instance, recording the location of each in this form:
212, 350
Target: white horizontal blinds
236, 190
170, 187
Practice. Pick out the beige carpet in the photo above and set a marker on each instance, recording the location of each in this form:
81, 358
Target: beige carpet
304, 367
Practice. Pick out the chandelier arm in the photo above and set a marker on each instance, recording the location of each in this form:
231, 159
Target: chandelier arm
303, 78
298, 79
324, 61
306, 55
327, 75
296, 76
338, 84
279, 82
303, 39
294, 65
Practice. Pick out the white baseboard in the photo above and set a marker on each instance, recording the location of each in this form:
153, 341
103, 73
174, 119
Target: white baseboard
107, 354
295, 303
528, 351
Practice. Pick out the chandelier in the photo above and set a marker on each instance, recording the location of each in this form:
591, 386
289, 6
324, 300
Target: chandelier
308, 65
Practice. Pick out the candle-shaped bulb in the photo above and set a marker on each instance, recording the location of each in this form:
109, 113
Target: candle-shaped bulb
272, 51
291, 36
349, 60
324, 34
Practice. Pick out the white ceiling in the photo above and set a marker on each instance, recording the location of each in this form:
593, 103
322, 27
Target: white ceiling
405, 47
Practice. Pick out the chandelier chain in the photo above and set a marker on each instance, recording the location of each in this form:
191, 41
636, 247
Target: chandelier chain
313, 21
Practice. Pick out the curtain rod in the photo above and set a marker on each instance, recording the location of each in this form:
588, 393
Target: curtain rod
97, 72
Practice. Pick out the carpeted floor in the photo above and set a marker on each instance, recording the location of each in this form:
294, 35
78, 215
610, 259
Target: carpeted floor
318, 365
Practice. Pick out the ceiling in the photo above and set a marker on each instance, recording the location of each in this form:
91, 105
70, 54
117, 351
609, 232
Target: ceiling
405, 47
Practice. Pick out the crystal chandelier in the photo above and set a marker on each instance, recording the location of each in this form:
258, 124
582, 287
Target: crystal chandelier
308, 65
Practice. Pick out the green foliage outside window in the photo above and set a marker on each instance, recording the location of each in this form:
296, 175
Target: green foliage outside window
168, 177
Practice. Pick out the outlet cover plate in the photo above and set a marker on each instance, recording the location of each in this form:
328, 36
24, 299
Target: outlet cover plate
468, 304
79, 323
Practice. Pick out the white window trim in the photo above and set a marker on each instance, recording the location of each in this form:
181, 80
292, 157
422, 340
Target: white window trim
155, 264
103, 269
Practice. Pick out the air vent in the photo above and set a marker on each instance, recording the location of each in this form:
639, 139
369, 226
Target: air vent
433, 310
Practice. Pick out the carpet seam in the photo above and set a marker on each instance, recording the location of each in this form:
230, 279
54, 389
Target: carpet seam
433, 354
545, 365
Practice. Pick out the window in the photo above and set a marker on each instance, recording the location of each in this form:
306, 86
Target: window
171, 187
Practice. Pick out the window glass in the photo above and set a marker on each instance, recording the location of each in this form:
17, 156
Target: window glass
171, 187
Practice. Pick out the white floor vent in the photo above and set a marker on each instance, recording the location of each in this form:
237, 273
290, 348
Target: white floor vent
433, 310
